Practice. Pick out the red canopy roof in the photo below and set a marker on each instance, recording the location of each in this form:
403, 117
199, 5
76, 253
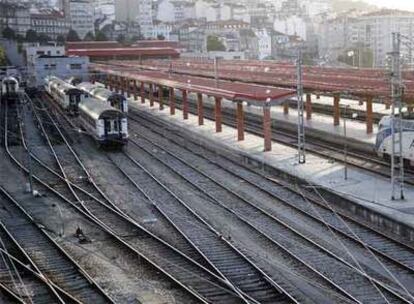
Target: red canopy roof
226, 89
118, 51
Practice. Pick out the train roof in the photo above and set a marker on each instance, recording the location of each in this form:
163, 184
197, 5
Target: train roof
105, 94
9, 79
62, 85
87, 86
97, 109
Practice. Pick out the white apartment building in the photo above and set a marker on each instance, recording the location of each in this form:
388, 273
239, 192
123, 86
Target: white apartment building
337, 35
175, 11
81, 16
374, 30
126, 10
145, 18
265, 43
293, 26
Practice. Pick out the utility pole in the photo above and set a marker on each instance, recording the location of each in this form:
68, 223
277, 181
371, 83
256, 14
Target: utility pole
301, 121
396, 95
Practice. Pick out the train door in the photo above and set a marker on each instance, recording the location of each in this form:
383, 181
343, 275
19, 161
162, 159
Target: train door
107, 126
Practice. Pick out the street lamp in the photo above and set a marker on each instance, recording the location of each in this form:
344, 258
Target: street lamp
354, 115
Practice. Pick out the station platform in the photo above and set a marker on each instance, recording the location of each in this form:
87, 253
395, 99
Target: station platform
367, 191
321, 123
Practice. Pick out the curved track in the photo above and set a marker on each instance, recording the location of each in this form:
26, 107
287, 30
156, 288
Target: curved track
193, 277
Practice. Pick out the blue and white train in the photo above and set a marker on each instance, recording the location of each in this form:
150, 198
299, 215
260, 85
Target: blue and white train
383, 143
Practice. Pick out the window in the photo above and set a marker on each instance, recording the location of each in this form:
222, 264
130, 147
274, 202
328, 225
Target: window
75, 66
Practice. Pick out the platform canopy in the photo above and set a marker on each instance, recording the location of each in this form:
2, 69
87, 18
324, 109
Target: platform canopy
349, 81
234, 91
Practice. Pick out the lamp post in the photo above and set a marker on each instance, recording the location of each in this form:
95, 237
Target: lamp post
354, 115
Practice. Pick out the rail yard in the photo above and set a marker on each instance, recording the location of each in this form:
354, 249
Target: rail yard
164, 182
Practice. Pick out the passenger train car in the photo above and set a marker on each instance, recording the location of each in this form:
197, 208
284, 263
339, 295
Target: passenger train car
99, 91
383, 143
106, 124
9, 89
65, 94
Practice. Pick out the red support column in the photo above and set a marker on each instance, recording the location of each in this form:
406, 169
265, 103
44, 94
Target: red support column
240, 121
267, 128
111, 87
135, 90
286, 107
369, 115
161, 97
142, 92
336, 110
151, 95
308, 106
200, 109
217, 114
122, 86
172, 101
128, 86
116, 80
185, 104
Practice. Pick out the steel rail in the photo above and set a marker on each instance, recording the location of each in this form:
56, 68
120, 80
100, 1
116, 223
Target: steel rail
242, 295
65, 255
213, 279
216, 233
340, 259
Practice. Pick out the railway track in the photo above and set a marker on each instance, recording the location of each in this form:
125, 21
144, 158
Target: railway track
21, 238
65, 278
388, 279
315, 145
200, 282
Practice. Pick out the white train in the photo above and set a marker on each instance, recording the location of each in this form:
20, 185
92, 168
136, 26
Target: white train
383, 142
9, 89
67, 95
99, 91
107, 125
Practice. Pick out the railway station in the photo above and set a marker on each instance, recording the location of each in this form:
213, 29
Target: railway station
152, 177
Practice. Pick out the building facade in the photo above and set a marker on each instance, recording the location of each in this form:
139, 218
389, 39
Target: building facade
82, 17
50, 22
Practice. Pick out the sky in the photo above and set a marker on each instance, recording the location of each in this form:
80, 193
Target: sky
400, 4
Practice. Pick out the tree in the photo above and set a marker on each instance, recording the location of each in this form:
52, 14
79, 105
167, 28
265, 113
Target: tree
100, 36
121, 38
214, 44
9, 33
43, 38
160, 37
60, 39
72, 36
358, 56
3, 58
31, 36
89, 37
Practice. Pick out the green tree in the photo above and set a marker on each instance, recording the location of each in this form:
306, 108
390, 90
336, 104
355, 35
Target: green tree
89, 37
3, 58
121, 38
9, 33
214, 44
72, 36
358, 57
100, 36
160, 37
60, 39
43, 38
31, 36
